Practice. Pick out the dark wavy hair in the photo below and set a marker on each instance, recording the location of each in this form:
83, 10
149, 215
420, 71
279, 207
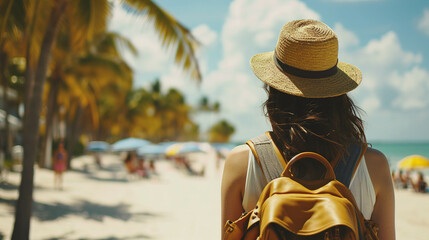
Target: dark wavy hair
323, 125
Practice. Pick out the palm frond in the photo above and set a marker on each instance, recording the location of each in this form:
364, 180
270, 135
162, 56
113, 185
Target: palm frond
12, 20
123, 42
108, 42
111, 64
171, 32
86, 19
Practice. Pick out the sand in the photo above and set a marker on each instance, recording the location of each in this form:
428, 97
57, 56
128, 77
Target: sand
108, 204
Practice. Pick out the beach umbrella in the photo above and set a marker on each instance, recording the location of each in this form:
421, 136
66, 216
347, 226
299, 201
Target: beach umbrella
129, 144
414, 162
152, 149
97, 146
185, 147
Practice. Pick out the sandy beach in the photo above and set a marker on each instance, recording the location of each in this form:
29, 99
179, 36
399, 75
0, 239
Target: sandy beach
107, 204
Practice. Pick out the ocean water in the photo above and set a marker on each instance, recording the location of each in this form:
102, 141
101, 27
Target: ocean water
395, 151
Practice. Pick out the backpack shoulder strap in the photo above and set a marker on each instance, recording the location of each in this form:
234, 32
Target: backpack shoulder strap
264, 152
346, 167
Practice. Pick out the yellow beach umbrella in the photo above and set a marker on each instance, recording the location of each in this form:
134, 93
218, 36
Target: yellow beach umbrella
413, 162
174, 149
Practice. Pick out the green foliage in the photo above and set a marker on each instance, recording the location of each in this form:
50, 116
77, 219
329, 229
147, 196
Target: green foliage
221, 132
147, 113
206, 106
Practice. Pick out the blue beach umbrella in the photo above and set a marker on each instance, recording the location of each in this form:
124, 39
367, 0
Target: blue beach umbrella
97, 146
152, 149
129, 144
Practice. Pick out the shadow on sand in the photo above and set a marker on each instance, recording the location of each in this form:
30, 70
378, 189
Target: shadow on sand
6, 186
64, 236
85, 209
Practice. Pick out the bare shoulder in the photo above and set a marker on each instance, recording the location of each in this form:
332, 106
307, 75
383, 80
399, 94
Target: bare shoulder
237, 160
378, 167
238, 154
375, 158
235, 169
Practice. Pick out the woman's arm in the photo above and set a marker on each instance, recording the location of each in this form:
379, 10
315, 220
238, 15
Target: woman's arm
384, 209
233, 182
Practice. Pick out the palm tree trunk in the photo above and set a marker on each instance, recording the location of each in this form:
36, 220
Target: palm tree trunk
74, 131
50, 113
29, 73
21, 229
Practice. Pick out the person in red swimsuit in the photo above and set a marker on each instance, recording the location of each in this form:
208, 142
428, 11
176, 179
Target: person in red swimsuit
60, 165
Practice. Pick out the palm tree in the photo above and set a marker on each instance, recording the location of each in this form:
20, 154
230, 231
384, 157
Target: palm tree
88, 74
169, 29
103, 69
153, 115
221, 132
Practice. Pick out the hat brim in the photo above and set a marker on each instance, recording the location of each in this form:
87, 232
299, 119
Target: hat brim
347, 78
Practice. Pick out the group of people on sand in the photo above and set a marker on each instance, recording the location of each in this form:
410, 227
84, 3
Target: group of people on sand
405, 180
136, 165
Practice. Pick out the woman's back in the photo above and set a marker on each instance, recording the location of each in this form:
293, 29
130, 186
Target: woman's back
310, 111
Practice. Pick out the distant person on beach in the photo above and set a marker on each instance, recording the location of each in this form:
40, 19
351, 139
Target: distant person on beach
152, 167
420, 185
60, 165
141, 166
98, 159
130, 165
405, 179
309, 110
400, 179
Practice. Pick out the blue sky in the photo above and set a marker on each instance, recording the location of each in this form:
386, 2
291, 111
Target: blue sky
388, 40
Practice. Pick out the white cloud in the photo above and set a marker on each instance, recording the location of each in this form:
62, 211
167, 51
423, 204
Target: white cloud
205, 35
413, 88
370, 104
377, 60
423, 24
387, 52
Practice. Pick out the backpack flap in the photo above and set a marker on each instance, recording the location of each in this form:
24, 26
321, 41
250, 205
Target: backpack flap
305, 212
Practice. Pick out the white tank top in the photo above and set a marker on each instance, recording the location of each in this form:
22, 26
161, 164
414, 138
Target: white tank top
360, 186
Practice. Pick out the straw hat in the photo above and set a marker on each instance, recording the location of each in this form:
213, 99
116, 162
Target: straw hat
305, 62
